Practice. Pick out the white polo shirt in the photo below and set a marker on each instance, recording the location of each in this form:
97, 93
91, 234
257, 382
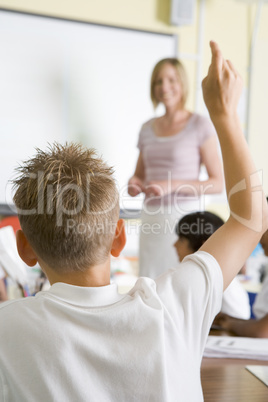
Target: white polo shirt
260, 306
2, 273
235, 301
92, 344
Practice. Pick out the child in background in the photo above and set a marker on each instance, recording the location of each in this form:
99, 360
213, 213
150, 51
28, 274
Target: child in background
255, 328
83, 341
3, 291
193, 230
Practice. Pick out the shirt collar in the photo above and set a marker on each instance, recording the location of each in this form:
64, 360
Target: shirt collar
85, 296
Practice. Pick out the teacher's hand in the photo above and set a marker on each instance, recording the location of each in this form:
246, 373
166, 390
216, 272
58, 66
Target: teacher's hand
158, 188
135, 186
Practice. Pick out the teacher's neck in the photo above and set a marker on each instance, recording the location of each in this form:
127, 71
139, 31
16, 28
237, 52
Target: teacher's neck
175, 113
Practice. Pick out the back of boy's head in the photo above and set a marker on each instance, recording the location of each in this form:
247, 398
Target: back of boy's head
197, 227
68, 206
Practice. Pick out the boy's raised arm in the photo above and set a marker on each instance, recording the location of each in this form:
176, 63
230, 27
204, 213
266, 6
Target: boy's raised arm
237, 238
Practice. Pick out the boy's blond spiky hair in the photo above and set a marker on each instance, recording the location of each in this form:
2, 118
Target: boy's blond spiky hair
68, 206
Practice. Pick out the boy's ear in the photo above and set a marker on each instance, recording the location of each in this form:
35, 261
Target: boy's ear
25, 250
119, 239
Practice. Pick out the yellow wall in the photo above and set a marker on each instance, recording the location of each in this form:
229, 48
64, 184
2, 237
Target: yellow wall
230, 22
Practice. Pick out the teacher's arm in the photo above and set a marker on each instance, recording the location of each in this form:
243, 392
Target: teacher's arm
136, 182
210, 158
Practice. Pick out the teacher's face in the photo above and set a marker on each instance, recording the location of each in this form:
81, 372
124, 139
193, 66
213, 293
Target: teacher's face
167, 87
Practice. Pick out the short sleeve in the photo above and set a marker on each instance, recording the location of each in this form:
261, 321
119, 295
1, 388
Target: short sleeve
192, 294
140, 140
146, 134
205, 129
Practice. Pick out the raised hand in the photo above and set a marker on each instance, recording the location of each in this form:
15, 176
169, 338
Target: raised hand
222, 86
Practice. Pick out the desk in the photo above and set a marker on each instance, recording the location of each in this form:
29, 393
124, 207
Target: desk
227, 380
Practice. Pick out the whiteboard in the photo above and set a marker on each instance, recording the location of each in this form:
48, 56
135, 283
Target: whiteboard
64, 80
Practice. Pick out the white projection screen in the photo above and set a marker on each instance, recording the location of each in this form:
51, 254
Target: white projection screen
64, 80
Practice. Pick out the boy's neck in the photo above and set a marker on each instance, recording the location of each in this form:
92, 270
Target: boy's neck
96, 276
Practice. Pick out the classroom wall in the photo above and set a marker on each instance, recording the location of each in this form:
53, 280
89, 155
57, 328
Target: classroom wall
230, 22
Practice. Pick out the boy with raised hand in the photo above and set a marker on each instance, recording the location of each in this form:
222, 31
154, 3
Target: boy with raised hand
81, 340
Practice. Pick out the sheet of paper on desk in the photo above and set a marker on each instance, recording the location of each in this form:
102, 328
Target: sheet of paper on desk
261, 372
236, 347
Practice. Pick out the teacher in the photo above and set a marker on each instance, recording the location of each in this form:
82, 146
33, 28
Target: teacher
172, 149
